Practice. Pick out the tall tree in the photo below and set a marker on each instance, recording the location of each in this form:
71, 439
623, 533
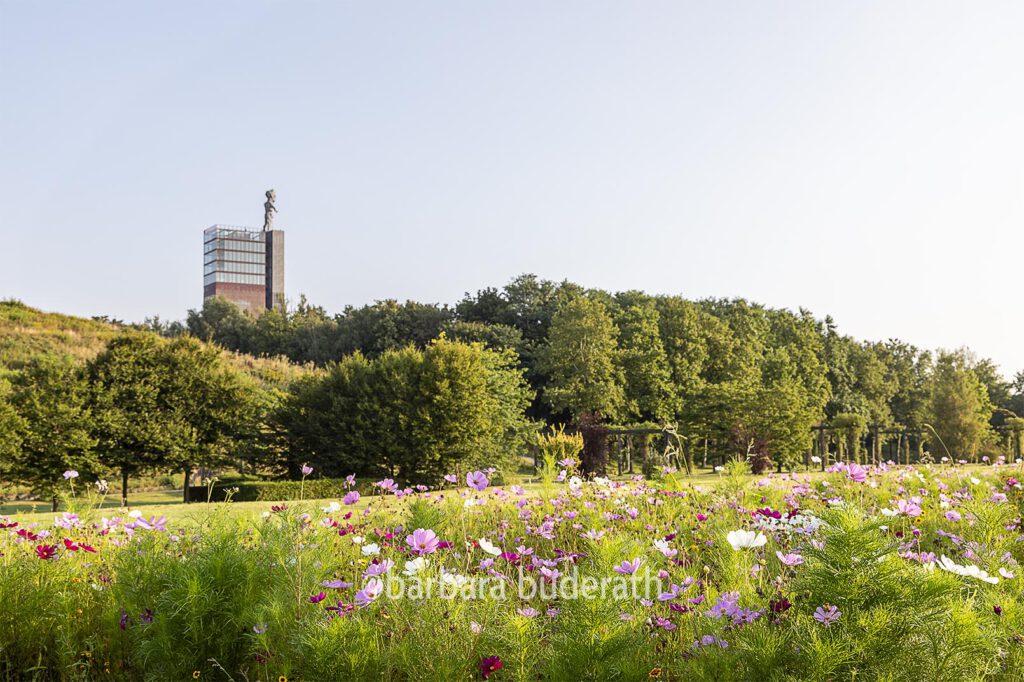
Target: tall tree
210, 406
579, 358
134, 425
644, 364
959, 406
50, 395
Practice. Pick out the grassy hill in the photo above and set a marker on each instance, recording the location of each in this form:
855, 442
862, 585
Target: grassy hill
26, 332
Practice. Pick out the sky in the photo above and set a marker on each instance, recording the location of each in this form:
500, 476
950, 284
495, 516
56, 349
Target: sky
863, 160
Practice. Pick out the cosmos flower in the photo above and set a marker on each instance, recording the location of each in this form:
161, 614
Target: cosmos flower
306, 470
487, 546
489, 665
791, 559
422, 541
628, 567
857, 473
388, 485
746, 539
70, 475
351, 497
827, 614
477, 481
46, 552
415, 566
969, 570
370, 592
379, 568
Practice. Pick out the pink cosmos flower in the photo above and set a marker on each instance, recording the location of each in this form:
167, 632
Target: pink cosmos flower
791, 559
351, 497
370, 591
857, 473
826, 615
422, 541
628, 567
477, 480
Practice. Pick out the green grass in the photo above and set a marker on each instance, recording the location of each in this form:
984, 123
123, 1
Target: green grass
168, 502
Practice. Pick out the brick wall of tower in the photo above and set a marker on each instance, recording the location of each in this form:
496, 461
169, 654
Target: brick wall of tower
249, 297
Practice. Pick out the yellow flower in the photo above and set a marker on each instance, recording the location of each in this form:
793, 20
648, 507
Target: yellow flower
195, 674
282, 678
655, 672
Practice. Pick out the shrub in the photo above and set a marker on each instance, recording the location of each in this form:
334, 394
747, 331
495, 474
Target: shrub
259, 491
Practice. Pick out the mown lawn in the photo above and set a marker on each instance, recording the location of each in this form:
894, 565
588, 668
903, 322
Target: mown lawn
168, 502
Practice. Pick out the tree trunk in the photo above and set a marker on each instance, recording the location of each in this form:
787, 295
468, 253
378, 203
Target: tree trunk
188, 475
124, 487
55, 502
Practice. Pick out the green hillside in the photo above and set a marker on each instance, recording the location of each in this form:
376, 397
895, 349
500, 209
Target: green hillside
26, 332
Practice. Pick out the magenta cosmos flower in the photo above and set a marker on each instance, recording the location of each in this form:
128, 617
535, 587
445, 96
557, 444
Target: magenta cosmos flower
489, 665
351, 497
422, 541
477, 480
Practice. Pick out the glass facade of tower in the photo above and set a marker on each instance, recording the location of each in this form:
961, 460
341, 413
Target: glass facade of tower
234, 255
235, 266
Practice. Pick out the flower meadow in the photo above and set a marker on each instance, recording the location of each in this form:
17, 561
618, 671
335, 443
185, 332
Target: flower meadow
861, 572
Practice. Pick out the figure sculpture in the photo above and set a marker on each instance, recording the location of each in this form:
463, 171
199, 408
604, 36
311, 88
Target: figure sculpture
269, 210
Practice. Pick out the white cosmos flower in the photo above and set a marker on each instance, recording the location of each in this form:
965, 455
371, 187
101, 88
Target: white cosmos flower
332, 507
974, 481
487, 546
889, 512
371, 549
454, 579
415, 566
575, 482
746, 539
358, 539
663, 547
969, 571
135, 514
815, 459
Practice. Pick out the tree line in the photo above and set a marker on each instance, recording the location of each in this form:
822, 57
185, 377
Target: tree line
727, 373
412, 391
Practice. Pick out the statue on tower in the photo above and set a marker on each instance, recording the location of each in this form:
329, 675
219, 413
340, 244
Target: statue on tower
269, 210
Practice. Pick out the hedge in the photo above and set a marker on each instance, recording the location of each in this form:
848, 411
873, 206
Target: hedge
260, 491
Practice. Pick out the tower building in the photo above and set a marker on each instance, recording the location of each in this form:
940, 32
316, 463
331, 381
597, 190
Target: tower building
245, 265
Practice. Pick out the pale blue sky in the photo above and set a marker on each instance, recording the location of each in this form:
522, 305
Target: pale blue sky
861, 159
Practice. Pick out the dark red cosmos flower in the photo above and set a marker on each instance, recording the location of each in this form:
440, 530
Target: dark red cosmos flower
278, 507
46, 551
489, 665
12, 524
780, 605
770, 513
27, 534
317, 598
74, 547
998, 609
